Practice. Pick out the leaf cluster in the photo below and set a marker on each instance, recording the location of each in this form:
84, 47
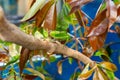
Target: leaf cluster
50, 25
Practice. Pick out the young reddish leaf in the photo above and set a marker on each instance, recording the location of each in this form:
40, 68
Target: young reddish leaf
59, 65
34, 9
118, 11
102, 7
50, 20
40, 16
97, 41
3, 57
118, 14
28, 77
75, 8
111, 13
1, 68
69, 1
75, 5
108, 65
93, 28
35, 72
102, 75
24, 56
81, 18
99, 25
79, 3
98, 31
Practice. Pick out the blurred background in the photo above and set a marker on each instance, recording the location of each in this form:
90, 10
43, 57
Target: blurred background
14, 7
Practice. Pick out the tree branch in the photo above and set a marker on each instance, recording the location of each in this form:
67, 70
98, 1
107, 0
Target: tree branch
11, 33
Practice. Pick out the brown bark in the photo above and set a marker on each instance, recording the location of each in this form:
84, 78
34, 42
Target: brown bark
11, 33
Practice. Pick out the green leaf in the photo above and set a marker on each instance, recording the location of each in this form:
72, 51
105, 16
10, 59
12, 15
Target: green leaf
109, 50
74, 76
110, 74
64, 19
13, 60
44, 32
98, 53
35, 73
103, 7
34, 30
52, 58
4, 43
13, 77
38, 35
48, 78
108, 65
60, 35
34, 9
70, 60
103, 53
117, 2
62, 25
42, 70
66, 11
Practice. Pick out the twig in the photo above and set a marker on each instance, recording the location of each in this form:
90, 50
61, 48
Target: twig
77, 40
